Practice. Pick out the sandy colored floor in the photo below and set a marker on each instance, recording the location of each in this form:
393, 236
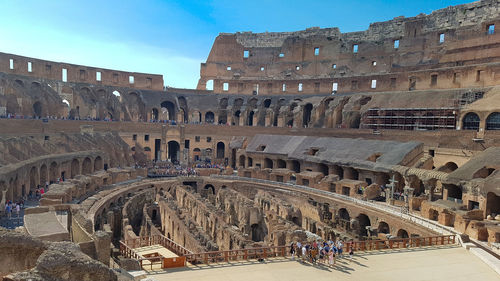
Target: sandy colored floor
454, 263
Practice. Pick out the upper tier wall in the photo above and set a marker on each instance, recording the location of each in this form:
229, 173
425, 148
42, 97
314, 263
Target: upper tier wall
15, 64
456, 47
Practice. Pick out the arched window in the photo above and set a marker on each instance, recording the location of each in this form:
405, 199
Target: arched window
471, 121
493, 121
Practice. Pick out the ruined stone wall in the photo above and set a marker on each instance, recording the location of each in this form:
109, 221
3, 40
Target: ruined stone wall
77, 73
400, 54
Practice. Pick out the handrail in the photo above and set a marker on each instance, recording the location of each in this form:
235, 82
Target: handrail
385, 208
282, 251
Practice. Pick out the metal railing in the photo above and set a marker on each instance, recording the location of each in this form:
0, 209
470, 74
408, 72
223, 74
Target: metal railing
284, 251
161, 240
429, 224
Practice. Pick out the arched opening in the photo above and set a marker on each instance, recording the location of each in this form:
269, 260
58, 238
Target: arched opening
493, 121
222, 118
337, 170
344, 215
33, 179
433, 214
75, 168
37, 109
364, 221
53, 172
98, 165
250, 118
257, 233
448, 167
267, 103
290, 123
250, 162
296, 166
209, 117
383, 227
323, 169
236, 117
297, 221
306, 115
281, 164
210, 187
492, 204
173, 151
168, 110
196, 154
154, 114
454, 192
268, 163
43, 175
221, 147
483, 173
402, 234
241, 161
87, 166
471, 121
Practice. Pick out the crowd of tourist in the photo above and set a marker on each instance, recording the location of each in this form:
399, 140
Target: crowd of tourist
11, 207
319, 252
169, 169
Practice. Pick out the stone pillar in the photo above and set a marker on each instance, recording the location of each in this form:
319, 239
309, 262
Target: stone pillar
102, 241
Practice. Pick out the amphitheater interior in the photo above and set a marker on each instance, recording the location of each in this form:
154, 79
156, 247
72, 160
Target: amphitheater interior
373, 137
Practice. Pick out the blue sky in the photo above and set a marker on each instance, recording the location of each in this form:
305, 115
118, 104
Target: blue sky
172, 37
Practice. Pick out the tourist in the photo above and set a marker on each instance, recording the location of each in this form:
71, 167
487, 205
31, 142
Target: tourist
331, 257
340, 248
18, 209
351, 252
304, 252
292, 251
8, 210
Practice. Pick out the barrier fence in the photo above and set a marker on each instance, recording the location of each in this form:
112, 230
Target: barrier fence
158, 261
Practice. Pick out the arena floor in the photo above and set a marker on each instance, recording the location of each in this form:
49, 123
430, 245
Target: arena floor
449, 263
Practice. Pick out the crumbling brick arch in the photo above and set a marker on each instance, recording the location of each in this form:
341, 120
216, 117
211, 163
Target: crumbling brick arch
53, 171
98, 164
75, 168
87, 166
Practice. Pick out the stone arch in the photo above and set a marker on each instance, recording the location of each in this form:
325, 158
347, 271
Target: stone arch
493, 121
209, 117
471, 121
402, 233
344, 214
492, 204
281, 164
236, 117
364, 221
210, 187
34, 178
323, 168
268, 163
295, 166
75, 168
454, 192
87, 166
483, 173
383, 227
196, 154
306, 114
250, 118
173, 149
37, 109
53, 171
448, 167
242, 161
266, 103
221, 147
98, 164
43, 174
168, 109
155, 114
